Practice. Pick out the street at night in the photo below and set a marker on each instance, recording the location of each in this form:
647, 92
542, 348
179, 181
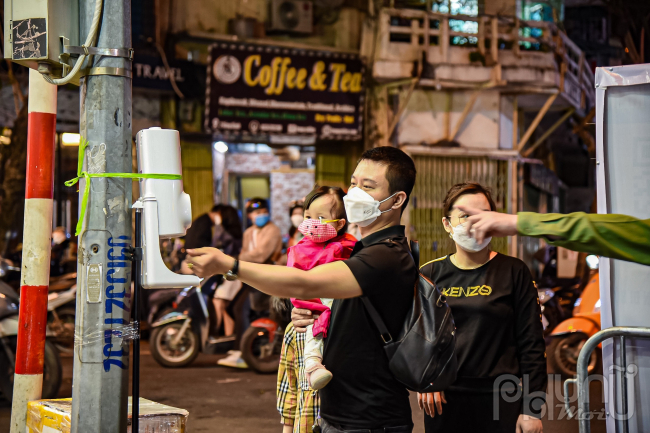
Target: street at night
240, 401
324, 216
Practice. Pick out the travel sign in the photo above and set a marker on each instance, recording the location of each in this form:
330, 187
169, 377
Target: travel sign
259, 90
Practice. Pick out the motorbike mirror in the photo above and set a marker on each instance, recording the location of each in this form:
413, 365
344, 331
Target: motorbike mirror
166, 208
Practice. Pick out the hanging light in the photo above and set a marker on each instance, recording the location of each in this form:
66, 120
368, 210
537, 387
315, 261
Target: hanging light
221, 147
70, 139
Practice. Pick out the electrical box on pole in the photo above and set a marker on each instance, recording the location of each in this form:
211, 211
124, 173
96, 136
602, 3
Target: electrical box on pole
36, 31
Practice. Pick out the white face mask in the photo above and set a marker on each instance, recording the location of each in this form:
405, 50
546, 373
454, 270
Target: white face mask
296, 220
217, 220
362, 208
466, 242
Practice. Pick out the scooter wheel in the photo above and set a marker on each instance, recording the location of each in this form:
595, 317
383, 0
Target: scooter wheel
52, 372
562, 354
169, 355
258, 351
6, 375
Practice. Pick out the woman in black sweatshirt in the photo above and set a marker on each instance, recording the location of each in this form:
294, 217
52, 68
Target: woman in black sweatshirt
501, 382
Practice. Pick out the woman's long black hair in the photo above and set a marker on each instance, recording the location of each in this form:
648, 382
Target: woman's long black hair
230, 221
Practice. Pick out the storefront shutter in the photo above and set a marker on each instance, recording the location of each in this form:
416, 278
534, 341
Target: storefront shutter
436, 174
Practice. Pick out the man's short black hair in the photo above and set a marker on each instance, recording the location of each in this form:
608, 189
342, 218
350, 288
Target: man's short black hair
255, 204
400, 171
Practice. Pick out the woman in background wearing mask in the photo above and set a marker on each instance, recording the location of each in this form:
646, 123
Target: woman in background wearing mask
262, 243
296, 210
499, 336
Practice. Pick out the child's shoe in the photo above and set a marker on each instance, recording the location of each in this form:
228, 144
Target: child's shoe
318, 376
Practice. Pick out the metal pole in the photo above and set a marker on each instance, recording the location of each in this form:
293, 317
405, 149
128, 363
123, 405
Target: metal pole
623, 365
101, 359
582, 376
135, 399
37, 248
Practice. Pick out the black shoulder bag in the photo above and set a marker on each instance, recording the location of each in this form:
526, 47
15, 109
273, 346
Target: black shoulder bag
423, 356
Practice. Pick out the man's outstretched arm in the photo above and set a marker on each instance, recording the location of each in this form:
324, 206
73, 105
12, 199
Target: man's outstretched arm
611, 235
333, 280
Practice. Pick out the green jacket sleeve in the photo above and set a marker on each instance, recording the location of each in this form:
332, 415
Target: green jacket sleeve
617, 236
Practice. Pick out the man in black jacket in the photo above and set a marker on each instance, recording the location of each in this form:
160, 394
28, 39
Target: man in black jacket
363, 394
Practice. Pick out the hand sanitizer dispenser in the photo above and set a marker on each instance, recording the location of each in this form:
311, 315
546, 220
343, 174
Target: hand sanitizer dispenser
166, 208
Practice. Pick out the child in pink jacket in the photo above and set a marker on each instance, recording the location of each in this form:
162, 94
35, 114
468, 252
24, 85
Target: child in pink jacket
326, 240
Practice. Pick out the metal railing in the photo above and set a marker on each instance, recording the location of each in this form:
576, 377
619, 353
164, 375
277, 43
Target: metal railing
581, 380
489, 41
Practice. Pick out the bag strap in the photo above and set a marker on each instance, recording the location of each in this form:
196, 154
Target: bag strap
376, 318
415, 252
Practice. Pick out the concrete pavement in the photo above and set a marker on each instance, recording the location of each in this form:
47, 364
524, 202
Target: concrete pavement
226, 400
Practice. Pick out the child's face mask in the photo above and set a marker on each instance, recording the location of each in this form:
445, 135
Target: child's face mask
318, 230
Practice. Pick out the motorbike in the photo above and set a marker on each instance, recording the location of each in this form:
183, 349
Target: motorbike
261, 344
61, 304
52, 374
160, 303
569, 336
178, 337
61, 298
557, 296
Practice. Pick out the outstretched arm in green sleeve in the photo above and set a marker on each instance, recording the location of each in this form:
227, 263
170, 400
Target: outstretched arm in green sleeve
617, 236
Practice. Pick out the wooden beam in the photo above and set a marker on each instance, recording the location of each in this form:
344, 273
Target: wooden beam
443, 39
515, 39
463, 116
402, 107
536, 121
481, 35
548, 132
494, 39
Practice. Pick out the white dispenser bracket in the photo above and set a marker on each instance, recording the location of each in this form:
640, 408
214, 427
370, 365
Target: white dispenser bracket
166, 209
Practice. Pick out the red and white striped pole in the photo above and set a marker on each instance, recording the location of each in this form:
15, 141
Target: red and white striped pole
35, 277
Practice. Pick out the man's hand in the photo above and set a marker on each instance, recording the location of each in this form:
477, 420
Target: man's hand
431, 401
481, 224
528, 424
301, 319
206, 262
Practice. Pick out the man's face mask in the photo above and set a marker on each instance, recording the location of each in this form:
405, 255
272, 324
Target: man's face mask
362, 209
318, 230
262, 220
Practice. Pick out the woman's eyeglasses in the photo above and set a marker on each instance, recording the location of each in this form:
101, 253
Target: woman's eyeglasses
458, 219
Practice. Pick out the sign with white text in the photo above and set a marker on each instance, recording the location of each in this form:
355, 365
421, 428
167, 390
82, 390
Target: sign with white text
257, 90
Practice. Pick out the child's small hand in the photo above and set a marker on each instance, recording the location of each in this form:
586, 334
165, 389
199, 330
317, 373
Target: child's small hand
287, 428
301, 319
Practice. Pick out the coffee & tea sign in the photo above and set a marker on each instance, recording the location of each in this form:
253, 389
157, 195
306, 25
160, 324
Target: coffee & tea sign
258, 90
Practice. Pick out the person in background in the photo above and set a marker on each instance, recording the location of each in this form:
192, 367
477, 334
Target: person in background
498, 331
611, 235
296, 210
229, 240
262, 243
64, 253
199, 235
